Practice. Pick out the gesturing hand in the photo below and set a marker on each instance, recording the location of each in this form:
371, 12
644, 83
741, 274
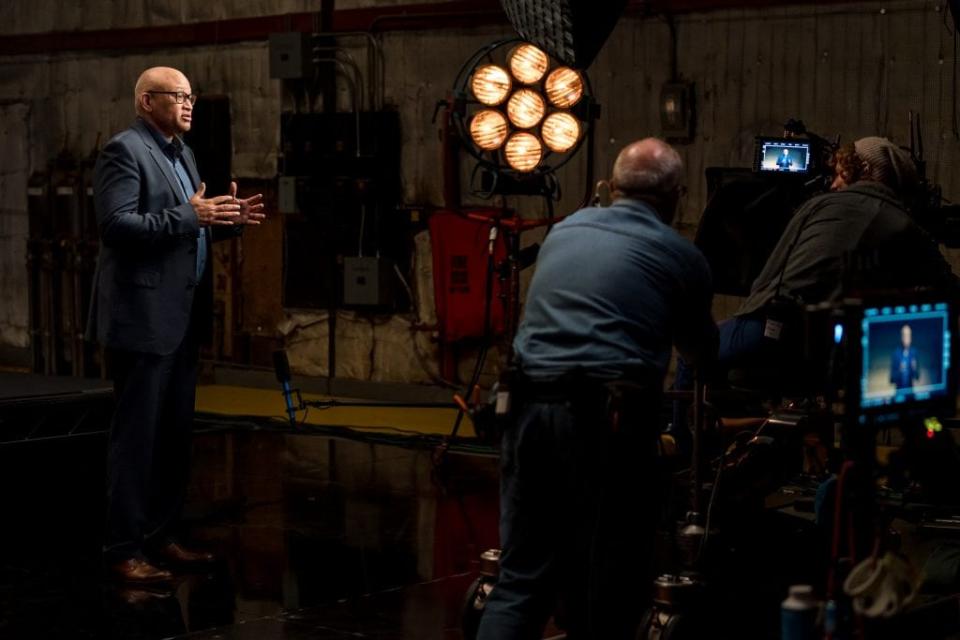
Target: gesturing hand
216, 210
251, 209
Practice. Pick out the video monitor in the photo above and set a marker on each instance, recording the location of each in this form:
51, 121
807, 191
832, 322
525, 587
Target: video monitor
782, 155
907, 357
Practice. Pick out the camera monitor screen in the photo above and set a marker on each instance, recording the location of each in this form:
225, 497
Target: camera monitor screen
783, 156
906, 354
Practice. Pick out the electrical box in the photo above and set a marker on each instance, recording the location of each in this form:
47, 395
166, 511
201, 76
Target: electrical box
342, 173
287, 194
289, 55
367, 282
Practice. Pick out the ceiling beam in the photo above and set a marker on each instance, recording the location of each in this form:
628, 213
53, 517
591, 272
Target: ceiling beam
456, 14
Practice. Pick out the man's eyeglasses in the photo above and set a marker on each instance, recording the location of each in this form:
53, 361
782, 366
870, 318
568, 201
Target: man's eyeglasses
180, 96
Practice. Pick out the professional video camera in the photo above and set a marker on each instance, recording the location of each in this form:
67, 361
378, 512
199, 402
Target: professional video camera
749, 207
798, 153
887, 359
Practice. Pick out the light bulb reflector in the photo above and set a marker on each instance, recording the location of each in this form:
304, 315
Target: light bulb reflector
488, 129
490, 84
560, 131
523, 152
564, 87
526, 108
528, 63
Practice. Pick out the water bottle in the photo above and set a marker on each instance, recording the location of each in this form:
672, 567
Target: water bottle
798, 614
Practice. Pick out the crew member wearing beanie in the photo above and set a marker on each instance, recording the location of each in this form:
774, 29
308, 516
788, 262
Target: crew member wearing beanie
858, 237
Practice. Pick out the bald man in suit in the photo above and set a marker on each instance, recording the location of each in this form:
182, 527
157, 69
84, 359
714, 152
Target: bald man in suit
153, 275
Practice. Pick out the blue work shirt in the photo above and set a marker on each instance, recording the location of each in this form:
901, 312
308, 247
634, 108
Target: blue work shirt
614, 289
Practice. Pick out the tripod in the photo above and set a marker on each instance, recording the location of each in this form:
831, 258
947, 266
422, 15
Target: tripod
507, 272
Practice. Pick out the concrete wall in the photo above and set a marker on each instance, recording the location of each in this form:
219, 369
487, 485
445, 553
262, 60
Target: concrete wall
848, 68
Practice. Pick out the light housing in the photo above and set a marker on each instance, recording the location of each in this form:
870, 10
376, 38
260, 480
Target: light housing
560, 131
528, 63
491, 84
488, 129
511, 87
564, 87
523, 152
526, 108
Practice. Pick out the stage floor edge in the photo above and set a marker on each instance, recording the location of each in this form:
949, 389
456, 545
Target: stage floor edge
227, 400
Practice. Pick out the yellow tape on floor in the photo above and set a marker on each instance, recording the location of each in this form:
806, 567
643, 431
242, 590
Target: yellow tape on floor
227, 400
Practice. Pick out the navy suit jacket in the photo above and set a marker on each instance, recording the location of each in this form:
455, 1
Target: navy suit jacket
146, 278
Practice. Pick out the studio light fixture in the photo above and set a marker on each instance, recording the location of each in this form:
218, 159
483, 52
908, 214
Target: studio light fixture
519, 111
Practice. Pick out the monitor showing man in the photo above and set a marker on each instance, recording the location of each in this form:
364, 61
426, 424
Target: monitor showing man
778, 155
906, 354
858, 238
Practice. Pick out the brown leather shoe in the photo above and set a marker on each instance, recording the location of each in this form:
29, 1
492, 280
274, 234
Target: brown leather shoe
176, 554
139, 570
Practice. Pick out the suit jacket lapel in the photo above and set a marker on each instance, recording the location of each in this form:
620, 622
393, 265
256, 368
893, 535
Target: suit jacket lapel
162, 163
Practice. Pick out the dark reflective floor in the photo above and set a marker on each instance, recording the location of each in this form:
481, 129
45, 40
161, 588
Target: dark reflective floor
318, 538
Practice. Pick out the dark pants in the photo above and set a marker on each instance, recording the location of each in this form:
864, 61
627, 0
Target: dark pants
741, 345
148, 462
577, 518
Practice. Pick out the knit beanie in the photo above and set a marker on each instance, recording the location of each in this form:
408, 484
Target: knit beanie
887, 163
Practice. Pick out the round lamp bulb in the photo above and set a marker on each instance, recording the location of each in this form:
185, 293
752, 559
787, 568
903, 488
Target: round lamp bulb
523, 152
528, 63
526, 108
560, 131
490, 84
488, 129
564, 87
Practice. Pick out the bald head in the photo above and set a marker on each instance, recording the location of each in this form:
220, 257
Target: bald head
649, 170
155, 100
157, 79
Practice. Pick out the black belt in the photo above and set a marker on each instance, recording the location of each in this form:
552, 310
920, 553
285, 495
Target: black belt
582, 387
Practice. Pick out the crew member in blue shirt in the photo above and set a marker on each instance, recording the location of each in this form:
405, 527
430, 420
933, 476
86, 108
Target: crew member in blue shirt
615, 288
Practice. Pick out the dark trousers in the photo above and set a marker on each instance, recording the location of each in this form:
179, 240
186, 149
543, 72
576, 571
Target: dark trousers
148, 461
741, 344
577, 518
